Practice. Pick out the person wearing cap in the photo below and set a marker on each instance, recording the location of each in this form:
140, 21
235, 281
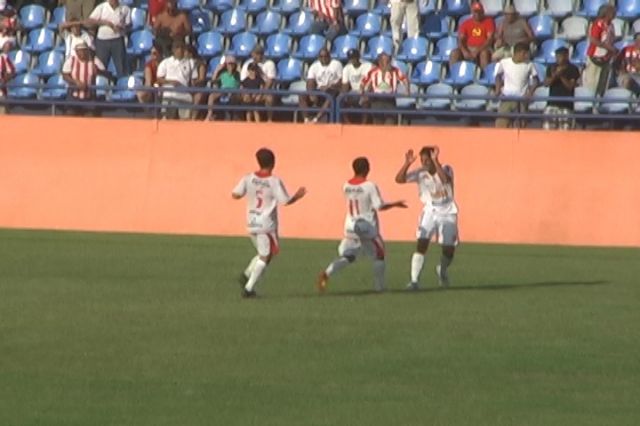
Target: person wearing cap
516, 77
177, 71
72, 33
267, 72
513, 30
352, 75
401, 9
324, 75
225, 76
384, 79
80, 71
561, 79
7, 71
112, 20
475, 38
629, 68
170, 25
328, 18
600, 51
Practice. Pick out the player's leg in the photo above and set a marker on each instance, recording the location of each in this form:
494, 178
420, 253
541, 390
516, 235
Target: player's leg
347, 253
448, 238
375, 248
267, 246
426, 228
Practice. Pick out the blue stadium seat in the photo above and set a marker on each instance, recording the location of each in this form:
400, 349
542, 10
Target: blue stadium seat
140, 43
542, 26
342, 44
540, 104
461, 73
210, 44
138, 18
560, 8
492, 7
278, 46
488, 77
232, 21
541, 70
579, 56
583, 106
547, 51
286, 7
219, 6
590, 7
619, 27
355, 7
299, 23
253, 7
33, 16
266, 23
623, 43
628, 9
367, 25
125, 89
616, 101
21, 60
526, 8
427, 7
16, 87
213, 65
407, 102
289, 69
442, 102
444, 46
574, 28
57, 17
130, 3
49, 63
413, 49
40, 40
55, 88
472, 104
200, 20
456, 7
435, 26
188, 4
376, 46
383, 8
243, 43
309, 46
402, 66
103, 86
426, 73
293, 98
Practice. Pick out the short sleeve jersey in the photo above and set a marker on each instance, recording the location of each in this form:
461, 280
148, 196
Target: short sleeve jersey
434, 194
363, 200
476, 33
264, 193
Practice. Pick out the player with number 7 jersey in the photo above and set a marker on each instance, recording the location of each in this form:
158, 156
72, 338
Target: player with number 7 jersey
264, 192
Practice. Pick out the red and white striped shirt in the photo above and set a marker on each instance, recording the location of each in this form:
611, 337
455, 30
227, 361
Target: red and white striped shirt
604, 32
381, 81
84, 71
326, 9
7, 69
631, 56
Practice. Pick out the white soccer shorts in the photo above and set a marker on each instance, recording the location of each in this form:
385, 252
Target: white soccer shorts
266, 244
444, 227
364, 239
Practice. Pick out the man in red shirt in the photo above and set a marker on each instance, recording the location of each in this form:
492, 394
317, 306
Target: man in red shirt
600, 51
475, 38
629, 71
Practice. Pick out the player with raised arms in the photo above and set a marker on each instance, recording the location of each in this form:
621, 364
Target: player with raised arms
361, 227
439, 217
264, 192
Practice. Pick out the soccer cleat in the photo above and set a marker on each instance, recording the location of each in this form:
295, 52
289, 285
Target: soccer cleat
413, 286
443, 277
323, 280
246, 294
242, 280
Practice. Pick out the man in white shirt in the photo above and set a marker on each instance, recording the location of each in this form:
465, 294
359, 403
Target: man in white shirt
515, 77
112, 20
268, 74
324, 75
352, 75
174, 72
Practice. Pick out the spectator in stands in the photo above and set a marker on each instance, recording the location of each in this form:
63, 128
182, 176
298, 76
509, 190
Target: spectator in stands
352, 75
268, 74
475, 38
328, 18
112, 20
9, 25
199, 98
150, 76
600, 51
73, 34
78, 9
156, 7
384, 79
324, 75
7, 72
80, 71
226, 77
515, 77
177, 71
561, 79
629, 71
253, 81
513, 30
171, 25
401, 9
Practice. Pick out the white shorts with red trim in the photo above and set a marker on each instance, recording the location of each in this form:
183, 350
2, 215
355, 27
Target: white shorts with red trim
266, 244
442, 226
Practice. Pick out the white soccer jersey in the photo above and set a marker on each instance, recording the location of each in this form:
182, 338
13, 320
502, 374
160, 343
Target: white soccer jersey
264, 193
434, 194
363, 201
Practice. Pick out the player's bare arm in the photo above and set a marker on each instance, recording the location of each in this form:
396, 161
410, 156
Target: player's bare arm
444, 177
301, 192
409, 159
396, 204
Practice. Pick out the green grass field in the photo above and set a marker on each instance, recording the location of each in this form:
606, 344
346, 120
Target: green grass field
102, 329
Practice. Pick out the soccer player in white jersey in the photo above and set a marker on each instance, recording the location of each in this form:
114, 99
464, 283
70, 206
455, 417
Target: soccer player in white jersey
264, 192
439, 216
361, 227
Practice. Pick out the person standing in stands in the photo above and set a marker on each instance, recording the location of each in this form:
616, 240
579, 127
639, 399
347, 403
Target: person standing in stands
515, 77
112, 20
600, 51
78, 9
561, 80
171, 25
401, 9
475, 38
328, 18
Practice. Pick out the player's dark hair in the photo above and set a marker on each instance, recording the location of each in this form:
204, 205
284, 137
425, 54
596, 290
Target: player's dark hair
266, 159
521, 47
361, 166
426, 150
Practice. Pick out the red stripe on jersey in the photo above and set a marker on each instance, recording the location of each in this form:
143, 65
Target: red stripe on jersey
326, 8
357, 180
263, 173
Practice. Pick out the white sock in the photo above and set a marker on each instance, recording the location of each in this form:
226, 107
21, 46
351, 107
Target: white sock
258, 269
445, 262
378, 274
252, 264
417, 261
336, 265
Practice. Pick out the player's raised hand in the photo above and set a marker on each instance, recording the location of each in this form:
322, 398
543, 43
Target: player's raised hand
410, 157
301, 192
434, 153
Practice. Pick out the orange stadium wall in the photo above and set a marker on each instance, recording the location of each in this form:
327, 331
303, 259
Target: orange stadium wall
580, 188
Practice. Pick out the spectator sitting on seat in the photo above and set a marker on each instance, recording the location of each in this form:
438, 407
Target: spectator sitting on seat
73, 34
156, 7
328, 18
150, 76
199, 98
513, 30
7, 72
561, 80
177, 71
226, 76
352, 75
515, 77
80, 71
600, 51
253, 81
78, 9
384, 79
113, 20
9, 25
171, 25
629, 71
268, 74
475, 38
324, 75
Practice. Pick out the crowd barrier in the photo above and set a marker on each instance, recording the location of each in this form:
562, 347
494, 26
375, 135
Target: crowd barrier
512, 186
